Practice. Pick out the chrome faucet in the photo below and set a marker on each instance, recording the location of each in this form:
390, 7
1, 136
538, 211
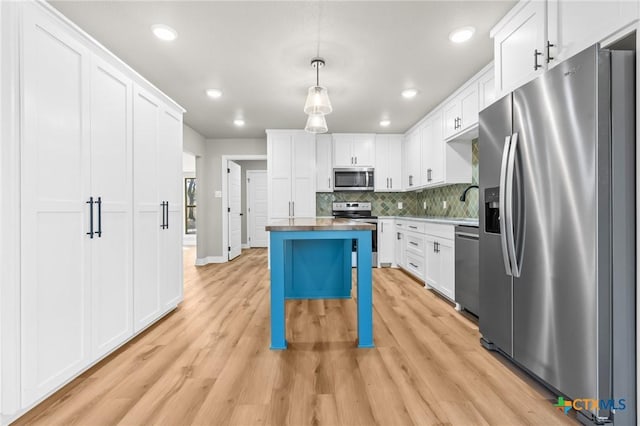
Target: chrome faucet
463, 197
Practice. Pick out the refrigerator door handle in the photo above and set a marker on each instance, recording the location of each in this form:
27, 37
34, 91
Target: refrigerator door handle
510, 237
502, 204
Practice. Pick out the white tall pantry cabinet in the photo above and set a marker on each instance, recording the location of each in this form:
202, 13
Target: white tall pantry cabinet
99, 190
291, 174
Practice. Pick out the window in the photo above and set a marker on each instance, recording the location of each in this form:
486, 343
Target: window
190, 205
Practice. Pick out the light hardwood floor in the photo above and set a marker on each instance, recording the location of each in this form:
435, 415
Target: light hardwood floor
209, 363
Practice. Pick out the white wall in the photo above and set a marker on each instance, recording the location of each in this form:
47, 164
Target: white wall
193, 146
248, 165
209, 206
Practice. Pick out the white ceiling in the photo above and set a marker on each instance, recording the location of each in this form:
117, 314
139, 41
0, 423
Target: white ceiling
258, 53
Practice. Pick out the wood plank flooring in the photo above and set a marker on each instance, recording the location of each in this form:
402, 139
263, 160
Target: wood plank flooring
209, 363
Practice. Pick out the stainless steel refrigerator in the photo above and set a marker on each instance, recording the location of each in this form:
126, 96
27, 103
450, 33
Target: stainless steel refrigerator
557, 230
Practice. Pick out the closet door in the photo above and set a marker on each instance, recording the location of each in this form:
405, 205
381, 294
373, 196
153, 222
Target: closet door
171, 181
147, 209
55, 256
111, 181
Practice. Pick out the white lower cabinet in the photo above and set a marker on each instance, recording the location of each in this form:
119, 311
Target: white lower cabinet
426, 251
79, 253
386, 242
440, 265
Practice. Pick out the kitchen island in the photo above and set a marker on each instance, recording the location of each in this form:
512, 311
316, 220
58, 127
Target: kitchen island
311, 259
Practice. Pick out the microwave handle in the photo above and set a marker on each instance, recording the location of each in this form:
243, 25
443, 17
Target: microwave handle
366, 179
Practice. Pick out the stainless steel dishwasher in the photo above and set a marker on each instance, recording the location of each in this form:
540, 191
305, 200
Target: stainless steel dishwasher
467, 268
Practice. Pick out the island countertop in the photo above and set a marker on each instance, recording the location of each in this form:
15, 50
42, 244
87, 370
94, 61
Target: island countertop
318, 224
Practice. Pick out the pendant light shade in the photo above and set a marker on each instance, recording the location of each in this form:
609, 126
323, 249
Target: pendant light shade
317, 101
316, 123
318, 97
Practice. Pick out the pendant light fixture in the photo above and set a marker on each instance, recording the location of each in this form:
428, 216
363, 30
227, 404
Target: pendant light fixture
318, 97
316, 123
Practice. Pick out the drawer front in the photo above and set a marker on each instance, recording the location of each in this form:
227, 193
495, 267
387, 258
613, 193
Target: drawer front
415, 243
415, 265
440, 230
415, 226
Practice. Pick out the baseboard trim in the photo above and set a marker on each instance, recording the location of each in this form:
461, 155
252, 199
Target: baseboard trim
245, 246
210, 259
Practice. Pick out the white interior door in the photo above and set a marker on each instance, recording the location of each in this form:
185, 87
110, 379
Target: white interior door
257, 208
234, 210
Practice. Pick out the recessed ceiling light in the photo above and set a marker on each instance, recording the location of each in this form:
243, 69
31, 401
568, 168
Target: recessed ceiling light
164, 32
214, 93
385, 123
462, 34
409, 93
238, 122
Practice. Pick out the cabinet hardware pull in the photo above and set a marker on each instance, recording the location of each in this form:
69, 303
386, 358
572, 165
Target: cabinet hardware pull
329, 182
90, 202
356, 160
390, 183
434, 247
415, 266
382, 227
293, 208
410, 180
99, 203
413, 243
549, 46
162, 207
413, 227
398, 236
535, 59
166, 206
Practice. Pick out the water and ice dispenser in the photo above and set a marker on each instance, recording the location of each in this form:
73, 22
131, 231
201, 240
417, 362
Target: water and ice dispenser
492, 210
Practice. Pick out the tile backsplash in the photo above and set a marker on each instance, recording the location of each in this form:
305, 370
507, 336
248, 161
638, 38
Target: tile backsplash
386, 203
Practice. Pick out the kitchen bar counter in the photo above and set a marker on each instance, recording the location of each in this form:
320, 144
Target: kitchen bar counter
318, 224
311, 259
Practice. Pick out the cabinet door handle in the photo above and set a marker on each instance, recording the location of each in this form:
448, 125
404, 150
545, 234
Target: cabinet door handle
390, 183
549, 46
166, 206
410, 180
535, 59
434, 247
437, 247
382, 227
293, 208
415, 266
329, 182
413, 227
398, 236
90, 202
413, 243
99, 203
162, 207
289, 208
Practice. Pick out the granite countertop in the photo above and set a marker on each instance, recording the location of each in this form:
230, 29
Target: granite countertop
436, 219
318, 224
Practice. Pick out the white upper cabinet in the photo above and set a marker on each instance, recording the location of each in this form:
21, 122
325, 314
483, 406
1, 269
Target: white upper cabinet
353, 150
324, 167
412, 178
388, 169
461, 113
433, 150
291, 159
574, 25
519, 44
537, 34
486, 89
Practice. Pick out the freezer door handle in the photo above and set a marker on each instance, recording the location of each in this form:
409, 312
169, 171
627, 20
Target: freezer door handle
510, 237
502, 204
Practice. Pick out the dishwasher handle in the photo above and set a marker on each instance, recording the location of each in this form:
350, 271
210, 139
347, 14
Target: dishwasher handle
468, 236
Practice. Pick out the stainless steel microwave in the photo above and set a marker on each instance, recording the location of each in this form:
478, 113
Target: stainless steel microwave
353, 179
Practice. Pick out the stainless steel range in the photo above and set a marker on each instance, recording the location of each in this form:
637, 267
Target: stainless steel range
361, 212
